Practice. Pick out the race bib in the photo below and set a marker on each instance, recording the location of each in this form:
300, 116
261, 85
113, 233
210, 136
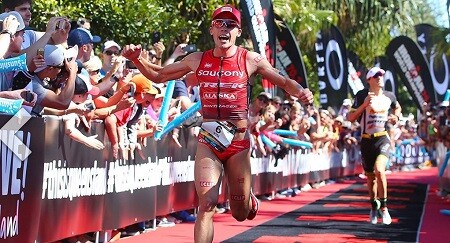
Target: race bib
219, 134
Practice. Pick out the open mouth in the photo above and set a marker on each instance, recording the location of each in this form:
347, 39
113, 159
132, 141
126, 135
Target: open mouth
224, 37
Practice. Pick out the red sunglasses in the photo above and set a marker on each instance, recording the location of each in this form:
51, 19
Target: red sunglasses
228, 23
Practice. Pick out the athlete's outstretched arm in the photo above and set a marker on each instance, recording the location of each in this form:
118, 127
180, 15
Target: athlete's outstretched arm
259, 64
157, 73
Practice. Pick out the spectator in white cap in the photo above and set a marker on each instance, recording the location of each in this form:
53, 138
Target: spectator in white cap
46, 82
11, 35
82, 38
345, 107
110, 52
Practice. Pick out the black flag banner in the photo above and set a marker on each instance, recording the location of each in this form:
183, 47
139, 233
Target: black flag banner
289, 58
411, 66
448, 11
356, 73
260, 19
390, 76
332, 64
428, 38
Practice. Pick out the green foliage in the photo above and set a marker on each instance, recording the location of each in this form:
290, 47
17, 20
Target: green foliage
367, 26
133, 21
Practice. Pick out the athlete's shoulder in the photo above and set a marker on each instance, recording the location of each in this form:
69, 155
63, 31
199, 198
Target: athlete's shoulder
362, 93
249, 53
390, 95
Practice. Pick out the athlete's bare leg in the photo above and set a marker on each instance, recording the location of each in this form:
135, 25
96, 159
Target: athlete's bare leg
239, 178
208, 176
372, 185
380, 172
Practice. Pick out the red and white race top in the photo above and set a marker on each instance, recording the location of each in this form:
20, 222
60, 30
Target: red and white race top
224, 86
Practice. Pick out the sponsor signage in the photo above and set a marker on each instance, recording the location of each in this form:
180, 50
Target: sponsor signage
289, 58
260, 20
356, 73
427, 39
410, 64
332, 67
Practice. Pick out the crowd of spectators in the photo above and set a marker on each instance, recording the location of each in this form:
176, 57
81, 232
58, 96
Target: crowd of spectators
67, 79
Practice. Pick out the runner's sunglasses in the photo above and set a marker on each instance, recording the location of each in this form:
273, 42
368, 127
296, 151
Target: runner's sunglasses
379, 74
230, 24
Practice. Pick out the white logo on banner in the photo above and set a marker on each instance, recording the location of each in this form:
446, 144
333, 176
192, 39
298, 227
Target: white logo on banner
335, 82
9, 138
14, 162
259, 25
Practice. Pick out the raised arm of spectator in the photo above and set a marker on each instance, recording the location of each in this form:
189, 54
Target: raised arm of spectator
31, 51
63, 99
159, 49
9, 26
79, 109
176, 53
102, 113
149, 129
119, 94
108, 80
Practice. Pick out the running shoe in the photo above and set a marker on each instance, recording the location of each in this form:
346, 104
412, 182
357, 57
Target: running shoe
385, 216
255, 206
373, 216
163, 222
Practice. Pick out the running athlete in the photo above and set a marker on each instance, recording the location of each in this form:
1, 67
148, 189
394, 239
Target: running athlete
373, 108
223, 77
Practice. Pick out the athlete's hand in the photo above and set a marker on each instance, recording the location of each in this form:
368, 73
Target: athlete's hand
305, 96
369, 100
132, 52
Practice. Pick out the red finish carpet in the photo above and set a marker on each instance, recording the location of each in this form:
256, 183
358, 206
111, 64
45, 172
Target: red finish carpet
333, 213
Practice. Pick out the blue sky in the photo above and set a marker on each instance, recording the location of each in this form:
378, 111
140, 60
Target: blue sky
440, 11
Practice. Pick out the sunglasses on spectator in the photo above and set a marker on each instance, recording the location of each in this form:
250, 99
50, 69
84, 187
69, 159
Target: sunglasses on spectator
95, 71
109, 53
228, 23
377, 75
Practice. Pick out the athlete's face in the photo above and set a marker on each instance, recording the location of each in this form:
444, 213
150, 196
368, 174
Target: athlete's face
224, 32
377, 80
